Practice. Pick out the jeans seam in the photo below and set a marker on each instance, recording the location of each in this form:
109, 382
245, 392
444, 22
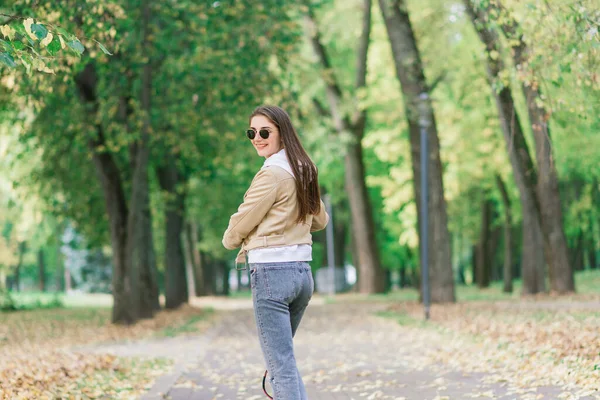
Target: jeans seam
267, 350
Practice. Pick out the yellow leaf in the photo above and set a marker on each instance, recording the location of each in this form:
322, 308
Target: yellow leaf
7, 31
63, 45
27, 23
47, 40
494, 55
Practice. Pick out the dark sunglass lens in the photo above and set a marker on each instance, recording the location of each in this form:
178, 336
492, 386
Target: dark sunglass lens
264, 133
251, 134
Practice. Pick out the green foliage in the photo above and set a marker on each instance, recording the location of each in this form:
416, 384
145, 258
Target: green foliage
30, 301
213, 62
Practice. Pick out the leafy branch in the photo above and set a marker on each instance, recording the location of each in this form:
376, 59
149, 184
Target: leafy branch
25, 42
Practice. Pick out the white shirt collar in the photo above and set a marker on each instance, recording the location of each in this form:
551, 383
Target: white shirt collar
279, 159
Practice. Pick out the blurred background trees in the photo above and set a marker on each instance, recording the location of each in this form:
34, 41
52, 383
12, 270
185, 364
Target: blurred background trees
122, 152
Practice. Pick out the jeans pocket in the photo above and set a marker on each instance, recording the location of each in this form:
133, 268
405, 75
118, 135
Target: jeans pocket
282, 283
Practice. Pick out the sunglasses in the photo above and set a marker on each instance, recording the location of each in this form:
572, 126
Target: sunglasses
251, 133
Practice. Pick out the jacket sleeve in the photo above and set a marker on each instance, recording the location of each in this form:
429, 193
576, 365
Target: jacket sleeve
320, 220
257, 201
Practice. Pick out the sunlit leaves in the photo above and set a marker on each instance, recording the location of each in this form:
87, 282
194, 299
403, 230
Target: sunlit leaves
104, 49
76, 45
7, 59
7, 31
38, 30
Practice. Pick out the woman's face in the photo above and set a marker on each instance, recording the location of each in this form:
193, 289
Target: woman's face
265, 147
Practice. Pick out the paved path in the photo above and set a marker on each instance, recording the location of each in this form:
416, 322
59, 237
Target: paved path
344, 352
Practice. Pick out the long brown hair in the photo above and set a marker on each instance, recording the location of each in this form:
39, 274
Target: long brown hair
305, 171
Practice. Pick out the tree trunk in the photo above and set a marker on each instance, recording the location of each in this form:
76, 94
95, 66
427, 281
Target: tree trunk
494, 241
402, 278
153, 268
110, 178
595, 200
409, 71
41, 270
340, 242
577, 252
175, 279
484, 256
371, 277
225, 273
139, 253
60, 273
209, 275
522, 164
508, 240
189, 263
591, 245
560, 270
17, 274
532, 264
197, 260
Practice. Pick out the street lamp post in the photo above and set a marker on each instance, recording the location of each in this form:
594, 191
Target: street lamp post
329, 235
424, 123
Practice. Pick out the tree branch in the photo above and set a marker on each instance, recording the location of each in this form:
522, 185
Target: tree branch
320, 108
334, 93
437, 80
360, 116
363, 46
10, 19
312, 32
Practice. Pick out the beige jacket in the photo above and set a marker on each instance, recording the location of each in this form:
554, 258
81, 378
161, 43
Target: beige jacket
267, 217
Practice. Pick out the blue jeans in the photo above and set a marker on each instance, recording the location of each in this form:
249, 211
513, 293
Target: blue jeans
280, 293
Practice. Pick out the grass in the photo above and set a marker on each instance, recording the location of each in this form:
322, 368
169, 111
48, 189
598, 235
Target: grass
586, 283
188, 326
244, 294
403, 319
18, 301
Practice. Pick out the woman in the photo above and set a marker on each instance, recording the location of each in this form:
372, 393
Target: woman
273, 227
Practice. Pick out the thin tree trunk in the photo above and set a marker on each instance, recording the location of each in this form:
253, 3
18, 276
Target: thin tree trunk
560, 270
371, 277
508, 240
17, 274
175, 279
41, 270
67, 279
189, 263
474, 258
410, 73
577, 252
59, 278
484, 258
522, 164
209, 274
494, 241
340, 241
197, 260
595, 200
591, 245
225, 273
